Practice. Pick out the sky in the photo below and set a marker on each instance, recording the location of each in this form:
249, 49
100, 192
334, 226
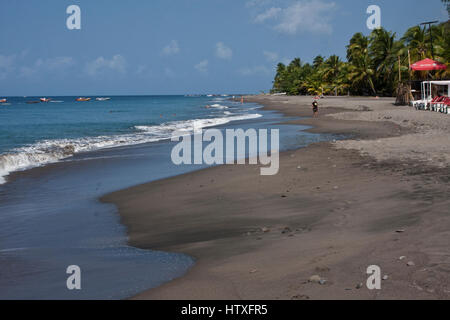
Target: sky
142, 47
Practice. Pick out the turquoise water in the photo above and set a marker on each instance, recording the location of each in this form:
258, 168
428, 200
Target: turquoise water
36, 134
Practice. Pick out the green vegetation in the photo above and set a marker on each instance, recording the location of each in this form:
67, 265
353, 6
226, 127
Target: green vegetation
372, 66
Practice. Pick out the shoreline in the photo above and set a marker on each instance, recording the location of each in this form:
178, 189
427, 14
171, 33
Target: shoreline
329, 212
54, 206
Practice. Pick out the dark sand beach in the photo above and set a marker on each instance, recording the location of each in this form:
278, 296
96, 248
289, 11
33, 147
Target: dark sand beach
380, 197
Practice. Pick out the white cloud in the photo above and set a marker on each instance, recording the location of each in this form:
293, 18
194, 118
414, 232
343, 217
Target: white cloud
300, 16
307, 16
202, 66
271, 56
223, 52
143, 71
6, 65
13, 65
253, 71
116, 63
268, 14
171, 48
6, 61
56, 64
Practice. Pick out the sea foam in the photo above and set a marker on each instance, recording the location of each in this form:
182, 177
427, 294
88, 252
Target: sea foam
51, 151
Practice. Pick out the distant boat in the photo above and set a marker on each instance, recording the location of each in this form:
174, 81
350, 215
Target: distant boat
102, 99
3, 100
83, 99
45, 99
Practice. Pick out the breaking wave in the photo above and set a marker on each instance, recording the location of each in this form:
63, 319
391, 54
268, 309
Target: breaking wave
51, 151
218, 106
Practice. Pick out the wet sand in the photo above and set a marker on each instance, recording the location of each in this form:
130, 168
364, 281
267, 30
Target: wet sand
333, 210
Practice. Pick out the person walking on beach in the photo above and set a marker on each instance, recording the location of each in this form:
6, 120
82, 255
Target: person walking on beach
242, 99
315, 106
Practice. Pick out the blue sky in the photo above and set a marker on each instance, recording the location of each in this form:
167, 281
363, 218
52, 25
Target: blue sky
178, 46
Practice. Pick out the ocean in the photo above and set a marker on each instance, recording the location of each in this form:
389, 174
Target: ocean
36, 134
58, 158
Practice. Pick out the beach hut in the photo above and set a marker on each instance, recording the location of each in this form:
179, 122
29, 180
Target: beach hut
427, 86
434, 94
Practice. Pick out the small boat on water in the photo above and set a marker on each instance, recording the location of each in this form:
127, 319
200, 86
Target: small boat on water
3, 100
83, 99
102, 99
45, 99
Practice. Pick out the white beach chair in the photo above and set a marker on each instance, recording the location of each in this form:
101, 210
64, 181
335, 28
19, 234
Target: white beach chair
418, 104
442, 106
446, 106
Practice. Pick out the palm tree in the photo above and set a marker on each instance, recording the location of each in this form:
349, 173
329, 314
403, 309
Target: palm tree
331, 68
441, 34
418, 41
296, 63
441, 44
361, 75
372, 63
384, 51
313, 86
279, 83
318, 61
294, 75
361, 71
342, 83
415, 39
358, 46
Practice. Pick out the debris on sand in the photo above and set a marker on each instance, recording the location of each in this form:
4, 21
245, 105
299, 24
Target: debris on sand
286, 230
317, 279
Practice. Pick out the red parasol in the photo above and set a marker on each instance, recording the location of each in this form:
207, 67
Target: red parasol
428, 64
